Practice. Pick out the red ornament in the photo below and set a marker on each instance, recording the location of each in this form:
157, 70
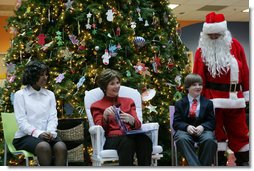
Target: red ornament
41, 39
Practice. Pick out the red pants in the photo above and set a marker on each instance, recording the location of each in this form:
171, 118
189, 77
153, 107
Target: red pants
231, 124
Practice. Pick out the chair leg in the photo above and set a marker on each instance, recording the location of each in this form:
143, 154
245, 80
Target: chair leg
176, 156
27, 161
5, 154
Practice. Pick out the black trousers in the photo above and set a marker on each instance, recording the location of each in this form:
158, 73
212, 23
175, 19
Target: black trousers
128, 145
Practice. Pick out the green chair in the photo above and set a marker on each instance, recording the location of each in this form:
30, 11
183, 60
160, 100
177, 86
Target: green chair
9, 128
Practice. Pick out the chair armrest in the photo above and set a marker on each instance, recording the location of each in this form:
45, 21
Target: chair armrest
97, 137
152, 134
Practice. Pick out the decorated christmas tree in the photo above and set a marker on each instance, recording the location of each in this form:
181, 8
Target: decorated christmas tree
79, 38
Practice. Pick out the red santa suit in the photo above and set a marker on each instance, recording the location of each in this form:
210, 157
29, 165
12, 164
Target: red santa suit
228, 90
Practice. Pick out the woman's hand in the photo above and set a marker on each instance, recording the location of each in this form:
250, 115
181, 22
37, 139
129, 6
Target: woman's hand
107, 112
46, 136
125, 117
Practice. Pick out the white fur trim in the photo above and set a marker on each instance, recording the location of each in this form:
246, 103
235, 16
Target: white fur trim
234, 70
245, 148
226, 103
246, 95
209, 28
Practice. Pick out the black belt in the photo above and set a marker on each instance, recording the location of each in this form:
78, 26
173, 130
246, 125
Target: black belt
223, 87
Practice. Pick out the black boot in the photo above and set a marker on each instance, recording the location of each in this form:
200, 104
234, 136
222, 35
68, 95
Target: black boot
242, 158
222, 158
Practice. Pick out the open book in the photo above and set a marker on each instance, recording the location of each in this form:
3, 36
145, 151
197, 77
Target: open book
123, 127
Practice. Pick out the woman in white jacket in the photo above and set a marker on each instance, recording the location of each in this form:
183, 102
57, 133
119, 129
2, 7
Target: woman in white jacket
36, 115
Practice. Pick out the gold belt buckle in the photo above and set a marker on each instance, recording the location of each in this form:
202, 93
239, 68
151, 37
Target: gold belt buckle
233, 84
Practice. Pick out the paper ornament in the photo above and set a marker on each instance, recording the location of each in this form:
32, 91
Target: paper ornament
110, 15
105, 57
68, 5
73, 39
148, 94
60, 78
152, 108
41, 39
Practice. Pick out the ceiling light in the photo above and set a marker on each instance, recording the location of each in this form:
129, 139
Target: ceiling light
246, 10
172, 6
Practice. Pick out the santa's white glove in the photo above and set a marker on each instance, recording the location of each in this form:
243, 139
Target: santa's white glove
199, 130
191, 129
125, 117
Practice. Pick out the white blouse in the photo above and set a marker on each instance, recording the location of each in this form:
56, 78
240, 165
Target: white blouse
35, 112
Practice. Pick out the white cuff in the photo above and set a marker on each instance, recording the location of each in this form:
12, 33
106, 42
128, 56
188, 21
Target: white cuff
246, 95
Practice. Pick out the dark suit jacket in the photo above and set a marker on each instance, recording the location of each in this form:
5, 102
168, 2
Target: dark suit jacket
206, 116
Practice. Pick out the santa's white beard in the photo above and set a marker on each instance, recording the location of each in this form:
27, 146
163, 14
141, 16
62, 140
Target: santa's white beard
216, 53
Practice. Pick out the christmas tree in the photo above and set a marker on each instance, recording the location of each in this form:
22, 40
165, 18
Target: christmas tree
79, 38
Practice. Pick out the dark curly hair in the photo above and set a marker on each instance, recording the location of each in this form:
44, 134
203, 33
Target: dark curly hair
105, 77
33, 71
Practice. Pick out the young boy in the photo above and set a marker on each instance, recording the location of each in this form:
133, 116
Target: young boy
194, 122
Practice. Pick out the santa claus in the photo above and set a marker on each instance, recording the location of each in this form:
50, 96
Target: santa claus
221, 62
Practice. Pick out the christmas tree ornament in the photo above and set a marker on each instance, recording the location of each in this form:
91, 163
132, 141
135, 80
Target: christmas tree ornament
110, 15
133, 25
177, 96
46, 46
109, 35
119, 46
156, 63
41, 39
49, 15
146, 23
29, 46
96, 48
105, 57
170, 64
148, 94
11, 67
82, 45
78, 28
139, 15
13, 30
139, 42
66, 54
165, 17
81, 82
60, 78
118, 31
178, 79
142, 69
152, 108
59, 38
88, 25
73, 39
128, 73
112, 50
11, 78
68, 5
18, 4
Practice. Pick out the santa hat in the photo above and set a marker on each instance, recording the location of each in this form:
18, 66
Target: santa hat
215, 23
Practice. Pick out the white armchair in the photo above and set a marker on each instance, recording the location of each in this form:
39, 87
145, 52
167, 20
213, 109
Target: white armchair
97, 133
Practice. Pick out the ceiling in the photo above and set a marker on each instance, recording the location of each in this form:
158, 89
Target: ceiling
188, 9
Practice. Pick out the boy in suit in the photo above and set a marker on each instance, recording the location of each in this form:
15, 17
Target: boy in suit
194, 122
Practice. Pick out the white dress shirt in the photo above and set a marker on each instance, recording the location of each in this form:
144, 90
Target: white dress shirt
35, 112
